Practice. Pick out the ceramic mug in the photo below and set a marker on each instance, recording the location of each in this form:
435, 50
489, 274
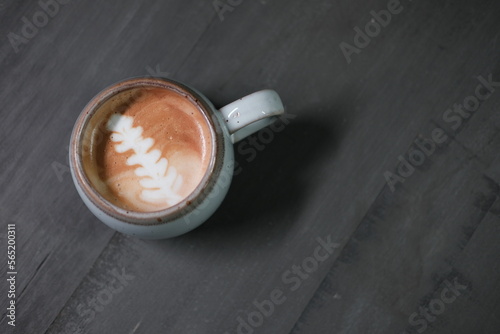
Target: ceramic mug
227, 125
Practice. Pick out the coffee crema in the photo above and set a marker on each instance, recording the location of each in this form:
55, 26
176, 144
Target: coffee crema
147, 148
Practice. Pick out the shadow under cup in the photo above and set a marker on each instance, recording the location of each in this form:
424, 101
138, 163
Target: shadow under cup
146, 151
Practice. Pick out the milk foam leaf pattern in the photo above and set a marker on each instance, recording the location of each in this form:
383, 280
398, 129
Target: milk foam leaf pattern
160, 181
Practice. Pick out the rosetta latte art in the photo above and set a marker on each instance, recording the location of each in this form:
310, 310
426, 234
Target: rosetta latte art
160, 181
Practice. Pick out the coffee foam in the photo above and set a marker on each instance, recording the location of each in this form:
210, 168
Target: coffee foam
146, 149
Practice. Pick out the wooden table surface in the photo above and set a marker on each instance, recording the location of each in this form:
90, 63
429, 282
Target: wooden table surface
374, 210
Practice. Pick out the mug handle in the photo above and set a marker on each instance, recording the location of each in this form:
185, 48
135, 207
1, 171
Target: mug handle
252, 113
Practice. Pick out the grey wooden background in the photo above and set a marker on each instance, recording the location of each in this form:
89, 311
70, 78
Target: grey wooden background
396, 252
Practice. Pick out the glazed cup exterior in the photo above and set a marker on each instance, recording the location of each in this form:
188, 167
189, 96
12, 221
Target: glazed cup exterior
182, 217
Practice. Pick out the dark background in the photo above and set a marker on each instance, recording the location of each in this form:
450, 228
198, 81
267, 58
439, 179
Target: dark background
397, 252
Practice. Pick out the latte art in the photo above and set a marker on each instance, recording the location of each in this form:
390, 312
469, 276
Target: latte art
162, 180
149, 148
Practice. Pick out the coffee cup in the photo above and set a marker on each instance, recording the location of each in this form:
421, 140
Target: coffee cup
153, 158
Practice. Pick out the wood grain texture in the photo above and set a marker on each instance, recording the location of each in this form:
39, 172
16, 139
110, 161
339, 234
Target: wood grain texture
321, 177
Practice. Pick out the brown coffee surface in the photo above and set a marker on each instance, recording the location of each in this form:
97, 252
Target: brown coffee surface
148, 148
